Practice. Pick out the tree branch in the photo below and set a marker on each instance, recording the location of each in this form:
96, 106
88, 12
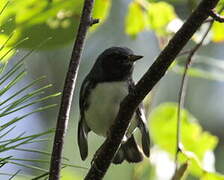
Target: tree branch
103, 159
85, 22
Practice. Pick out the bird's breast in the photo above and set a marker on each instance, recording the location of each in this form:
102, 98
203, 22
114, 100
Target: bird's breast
104, 102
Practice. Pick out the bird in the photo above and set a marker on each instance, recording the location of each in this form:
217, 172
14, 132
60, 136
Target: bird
102, 91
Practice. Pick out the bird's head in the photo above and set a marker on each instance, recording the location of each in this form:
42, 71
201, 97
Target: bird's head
116, 63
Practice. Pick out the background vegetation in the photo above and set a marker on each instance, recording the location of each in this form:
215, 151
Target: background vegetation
49, 28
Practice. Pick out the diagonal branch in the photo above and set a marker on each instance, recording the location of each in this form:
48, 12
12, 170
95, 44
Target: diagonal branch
85, 22
107, 151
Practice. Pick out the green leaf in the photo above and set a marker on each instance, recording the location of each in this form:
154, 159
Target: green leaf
194, 164
143, 16
40, 20
212, 176
220, 5
159, 21
196, 144
217, 31
163, 122
136, 20
101, 11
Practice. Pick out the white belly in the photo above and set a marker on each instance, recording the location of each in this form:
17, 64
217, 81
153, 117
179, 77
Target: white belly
104, 104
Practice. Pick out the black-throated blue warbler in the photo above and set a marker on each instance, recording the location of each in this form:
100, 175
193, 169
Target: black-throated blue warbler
102, 91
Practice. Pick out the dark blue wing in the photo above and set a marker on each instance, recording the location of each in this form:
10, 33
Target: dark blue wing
142, 123
83, 129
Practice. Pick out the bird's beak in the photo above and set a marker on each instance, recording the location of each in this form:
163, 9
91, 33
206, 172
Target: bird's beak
134, 58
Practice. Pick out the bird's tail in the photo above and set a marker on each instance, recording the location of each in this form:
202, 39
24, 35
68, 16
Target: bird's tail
128, 151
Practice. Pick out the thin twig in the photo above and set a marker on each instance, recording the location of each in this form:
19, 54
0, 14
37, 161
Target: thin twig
216, 16
63, 116
180, 172
183, 90
103, 158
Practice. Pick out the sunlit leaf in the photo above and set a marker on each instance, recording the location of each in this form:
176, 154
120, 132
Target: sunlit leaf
159, 21
217, 32
40, 20
195, 143
194, 164
136, 19
212, 176
163, 121
220, 5
101, 11
29, 10
143, 15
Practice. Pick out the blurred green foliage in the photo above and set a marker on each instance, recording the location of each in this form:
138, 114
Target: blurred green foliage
164, 117
39, 20
18, 100
5, 51
59, 19
69, 175
144, 16
217, 31
160, 16
195, 143
204, 67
